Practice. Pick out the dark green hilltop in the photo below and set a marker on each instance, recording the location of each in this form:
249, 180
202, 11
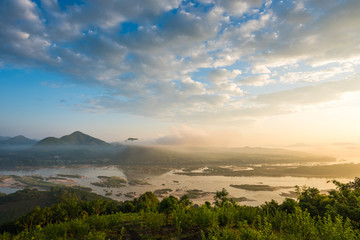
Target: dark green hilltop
76, 138
75, 148
18, 142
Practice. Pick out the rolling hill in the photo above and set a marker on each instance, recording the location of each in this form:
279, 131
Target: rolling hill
80, 148
75, 148
17, 143
75, 139
2, 138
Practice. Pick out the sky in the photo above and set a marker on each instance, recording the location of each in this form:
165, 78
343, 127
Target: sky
171, 72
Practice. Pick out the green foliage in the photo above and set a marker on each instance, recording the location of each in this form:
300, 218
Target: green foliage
343, 201
288, 205
153, 221
146, 202
221, 198
270, 207
225, 215
204, 217
185, 201
168, 204
313, 201
148, 218
336, 229
15, 205
300, 225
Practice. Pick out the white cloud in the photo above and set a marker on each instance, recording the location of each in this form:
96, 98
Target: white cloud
259, 69
170, 58
219, 76
237, 8
257, 80
314, 76
325, 38
251, 26
224, 81
312, 94
191, 87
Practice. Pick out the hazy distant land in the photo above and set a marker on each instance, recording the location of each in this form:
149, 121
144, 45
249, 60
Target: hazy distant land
79, 148
140, 165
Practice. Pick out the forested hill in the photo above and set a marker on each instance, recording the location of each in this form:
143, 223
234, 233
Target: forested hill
16, 143
75, 148
21, 202
75, 139
333, 216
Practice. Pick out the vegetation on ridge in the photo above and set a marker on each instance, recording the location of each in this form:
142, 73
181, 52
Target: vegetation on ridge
312, 216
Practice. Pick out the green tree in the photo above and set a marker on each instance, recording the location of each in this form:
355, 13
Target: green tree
221, 198
288, 205
146, 202
185, 201
167, 205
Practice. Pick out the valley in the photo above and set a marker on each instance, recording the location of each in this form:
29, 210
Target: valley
123, 172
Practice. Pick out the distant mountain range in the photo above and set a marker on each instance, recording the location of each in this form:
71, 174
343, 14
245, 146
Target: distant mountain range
18, 142
80, 148
75, 139
75, 148
4, 138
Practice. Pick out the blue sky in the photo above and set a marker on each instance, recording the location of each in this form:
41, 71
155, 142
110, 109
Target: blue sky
208, 72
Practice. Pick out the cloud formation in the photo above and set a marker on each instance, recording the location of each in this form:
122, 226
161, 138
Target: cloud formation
190, 59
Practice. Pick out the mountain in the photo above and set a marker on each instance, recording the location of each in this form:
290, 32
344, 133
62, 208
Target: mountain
75, 148
17, 143
80, 148
75, 139
2, 138
80, 138
50, 141
19, 140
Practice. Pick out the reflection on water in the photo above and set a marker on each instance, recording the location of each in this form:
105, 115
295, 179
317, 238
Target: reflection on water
179, 184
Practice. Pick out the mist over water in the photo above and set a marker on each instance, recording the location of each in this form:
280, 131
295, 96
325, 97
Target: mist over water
252, 175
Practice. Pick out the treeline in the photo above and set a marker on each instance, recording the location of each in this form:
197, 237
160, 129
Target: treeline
15, 205
313, 215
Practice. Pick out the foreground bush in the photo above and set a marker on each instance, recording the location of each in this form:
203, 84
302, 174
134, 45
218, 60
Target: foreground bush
313, 216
